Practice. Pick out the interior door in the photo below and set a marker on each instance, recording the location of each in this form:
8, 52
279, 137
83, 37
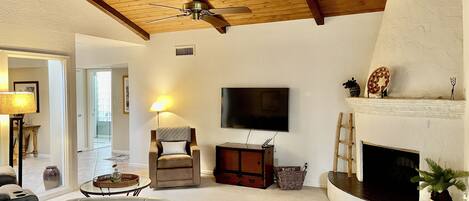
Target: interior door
91, 82
81, 110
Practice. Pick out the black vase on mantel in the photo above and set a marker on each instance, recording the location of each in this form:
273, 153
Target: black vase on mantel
51, 177
355, 91
353, 87
443, 196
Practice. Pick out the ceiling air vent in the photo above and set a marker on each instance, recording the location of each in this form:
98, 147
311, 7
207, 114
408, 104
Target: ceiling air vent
186, 50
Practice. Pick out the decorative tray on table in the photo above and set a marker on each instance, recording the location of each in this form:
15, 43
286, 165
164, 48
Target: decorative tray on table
105, 181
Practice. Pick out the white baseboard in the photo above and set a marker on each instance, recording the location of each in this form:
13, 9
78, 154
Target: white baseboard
126, 152
207, 172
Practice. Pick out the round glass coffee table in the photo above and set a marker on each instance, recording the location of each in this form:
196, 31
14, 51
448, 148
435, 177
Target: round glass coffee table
88, 189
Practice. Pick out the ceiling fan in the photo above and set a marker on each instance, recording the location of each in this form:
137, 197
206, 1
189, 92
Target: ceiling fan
199, 10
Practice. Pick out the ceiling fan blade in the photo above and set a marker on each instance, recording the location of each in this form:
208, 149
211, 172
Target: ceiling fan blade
231, 10
164, 6
165, 18
214, 21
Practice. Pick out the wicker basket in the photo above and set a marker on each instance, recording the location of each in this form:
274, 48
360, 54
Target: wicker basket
290, 177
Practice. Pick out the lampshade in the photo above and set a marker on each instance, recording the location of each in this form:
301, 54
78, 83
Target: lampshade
162, 104
17, 103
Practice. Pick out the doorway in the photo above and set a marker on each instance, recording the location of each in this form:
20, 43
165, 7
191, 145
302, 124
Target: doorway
45, 132
100, 108
102, 123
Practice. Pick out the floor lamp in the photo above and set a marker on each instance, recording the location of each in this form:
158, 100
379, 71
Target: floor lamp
17, 104
157, 107
162, 104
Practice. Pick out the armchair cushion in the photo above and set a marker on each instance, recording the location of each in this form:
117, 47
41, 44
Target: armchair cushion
175, 161
170, 148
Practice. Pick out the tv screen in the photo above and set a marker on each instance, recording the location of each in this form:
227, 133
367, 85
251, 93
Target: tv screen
255, 108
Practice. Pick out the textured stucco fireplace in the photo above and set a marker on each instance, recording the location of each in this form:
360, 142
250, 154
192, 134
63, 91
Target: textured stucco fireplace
421, 42
432, 128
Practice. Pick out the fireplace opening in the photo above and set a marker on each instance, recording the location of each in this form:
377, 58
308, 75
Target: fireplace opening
390, 170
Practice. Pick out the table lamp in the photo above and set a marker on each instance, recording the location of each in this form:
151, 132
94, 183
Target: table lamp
17, 104
160, 105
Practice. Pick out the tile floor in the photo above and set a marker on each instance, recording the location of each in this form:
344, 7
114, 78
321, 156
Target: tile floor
33, 169
90, 164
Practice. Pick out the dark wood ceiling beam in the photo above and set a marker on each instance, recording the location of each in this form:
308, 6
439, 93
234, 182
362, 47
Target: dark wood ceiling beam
222, 30
106, 8
316, 11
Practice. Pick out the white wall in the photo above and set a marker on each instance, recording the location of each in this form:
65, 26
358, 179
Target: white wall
421, 41
42, 118
71, 17
4, 119
120, 121
119, 57
312, 61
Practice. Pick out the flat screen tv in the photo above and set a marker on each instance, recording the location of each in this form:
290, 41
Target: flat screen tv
255, 108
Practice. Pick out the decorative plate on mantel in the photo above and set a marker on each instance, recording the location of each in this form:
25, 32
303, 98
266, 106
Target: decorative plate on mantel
378, 81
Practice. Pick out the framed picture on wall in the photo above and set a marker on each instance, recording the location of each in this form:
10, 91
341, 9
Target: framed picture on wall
28, 86
125, 84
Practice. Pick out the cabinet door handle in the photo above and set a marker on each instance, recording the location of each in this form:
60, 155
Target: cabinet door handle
258, 162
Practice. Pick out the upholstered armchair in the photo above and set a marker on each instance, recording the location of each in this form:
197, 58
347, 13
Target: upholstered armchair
176, 169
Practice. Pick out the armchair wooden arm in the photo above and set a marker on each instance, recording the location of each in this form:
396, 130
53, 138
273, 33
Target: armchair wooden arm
195, 152
194, 148
153, 159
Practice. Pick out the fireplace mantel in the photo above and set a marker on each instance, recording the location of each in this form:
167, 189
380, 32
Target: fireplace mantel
431, 108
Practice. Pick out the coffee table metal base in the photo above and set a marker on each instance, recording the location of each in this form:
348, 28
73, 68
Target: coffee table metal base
134, 193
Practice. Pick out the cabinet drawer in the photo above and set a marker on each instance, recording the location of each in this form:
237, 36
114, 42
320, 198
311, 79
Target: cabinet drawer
227, 178
251, 162
252, 181
228, 159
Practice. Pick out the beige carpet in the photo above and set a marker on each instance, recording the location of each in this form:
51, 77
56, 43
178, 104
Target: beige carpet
211, 191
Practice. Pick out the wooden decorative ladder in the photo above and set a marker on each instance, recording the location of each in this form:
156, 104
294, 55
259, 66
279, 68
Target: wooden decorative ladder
349, 142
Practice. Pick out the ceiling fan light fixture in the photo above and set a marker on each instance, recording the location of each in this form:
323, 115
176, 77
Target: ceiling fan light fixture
200, 10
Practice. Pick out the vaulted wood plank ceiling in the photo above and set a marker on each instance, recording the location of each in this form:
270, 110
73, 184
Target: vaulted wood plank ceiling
140, 11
